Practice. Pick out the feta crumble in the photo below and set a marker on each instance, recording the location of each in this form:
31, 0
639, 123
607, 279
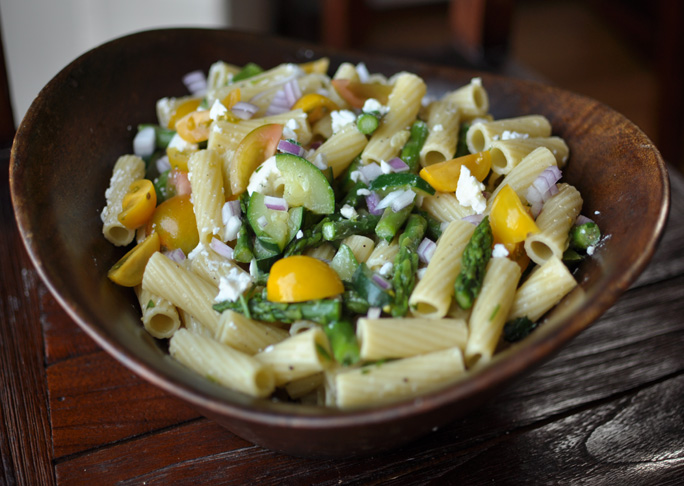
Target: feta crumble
499, 251
217, 110
232, 285
266, 179
348, 212
374, 106
290, 129
342, 118
469, 191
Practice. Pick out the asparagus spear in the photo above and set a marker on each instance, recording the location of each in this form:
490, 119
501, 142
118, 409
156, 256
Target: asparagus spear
461, 145
338, 230
391, 222
411, 151
243, 251
321, 311
434, 226
354, 303
342, 337
353, 197
518, 328
406, 263
584, 235
475, 257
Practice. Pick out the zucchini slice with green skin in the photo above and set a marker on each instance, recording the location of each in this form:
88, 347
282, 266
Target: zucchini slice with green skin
386, 183
273, 227
368, 288
344, 263
305, 184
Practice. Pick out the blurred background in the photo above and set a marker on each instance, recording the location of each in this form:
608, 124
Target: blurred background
627, 54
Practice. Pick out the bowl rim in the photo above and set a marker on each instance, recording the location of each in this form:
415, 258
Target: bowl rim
503, 370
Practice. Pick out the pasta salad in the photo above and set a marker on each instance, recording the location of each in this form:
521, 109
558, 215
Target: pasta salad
341, 240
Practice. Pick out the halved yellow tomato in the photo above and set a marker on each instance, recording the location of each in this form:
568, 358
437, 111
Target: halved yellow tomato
510, 220
319, 66
178, 158
257, 146
231, 98
356, 93
174, 221
183, 109
443, 176
315, 106
128, 271
138, 204
299, 278
194, 127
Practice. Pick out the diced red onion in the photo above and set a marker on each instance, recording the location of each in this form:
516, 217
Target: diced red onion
275, 203
372, 201
397, 200
244, 110
581, 219
363, 72
320, 161
543, 188
316, 144
374, 312
230, 209
384, 284
144, 142
163, 164
398, 165
370, 172
426, 249
284, 98
221, 248
196, 82
262, 222
176, 255
290, 147
473, 218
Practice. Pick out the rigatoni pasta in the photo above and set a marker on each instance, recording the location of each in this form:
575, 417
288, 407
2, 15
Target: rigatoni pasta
302, 246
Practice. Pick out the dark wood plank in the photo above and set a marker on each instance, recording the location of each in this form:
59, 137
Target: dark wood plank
23, 401
95, 401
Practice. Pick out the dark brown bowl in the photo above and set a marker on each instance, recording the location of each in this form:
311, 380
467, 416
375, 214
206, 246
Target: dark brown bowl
85, 118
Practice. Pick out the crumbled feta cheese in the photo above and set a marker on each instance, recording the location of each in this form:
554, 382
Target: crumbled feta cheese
355, 175
469, 191
232, 285
372, 105
342, 118
290, 129
386, 269
363, 72
266, 179
180, 144
320, 161
348, 212
499, 251
363, 192
385, 167
511, 135
217, 110
233, 226
590, 250
299, 235
476, 81
438, 128
198, 250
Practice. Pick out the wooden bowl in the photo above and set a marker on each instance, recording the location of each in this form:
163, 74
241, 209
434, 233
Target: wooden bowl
86, 117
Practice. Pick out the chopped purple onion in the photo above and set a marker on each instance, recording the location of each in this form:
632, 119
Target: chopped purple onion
275, 203
473, 219
426, 249
290, 147
383, 283
370, 172
176, 255
244, 110
372, 201
196, 82
221, 248
398, 165
144, 142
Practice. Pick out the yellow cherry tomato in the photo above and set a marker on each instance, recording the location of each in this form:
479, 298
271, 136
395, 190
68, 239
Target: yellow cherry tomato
319, 66
510, 220
257, 146
174, 221
138, 204
315, 106
194, 127
231, 98
178, 159
443, 176
128, 272
298, 278
183, 109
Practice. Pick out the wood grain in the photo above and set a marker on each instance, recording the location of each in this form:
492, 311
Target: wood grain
607, 409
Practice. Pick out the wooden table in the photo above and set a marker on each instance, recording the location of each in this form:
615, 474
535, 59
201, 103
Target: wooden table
608, 409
